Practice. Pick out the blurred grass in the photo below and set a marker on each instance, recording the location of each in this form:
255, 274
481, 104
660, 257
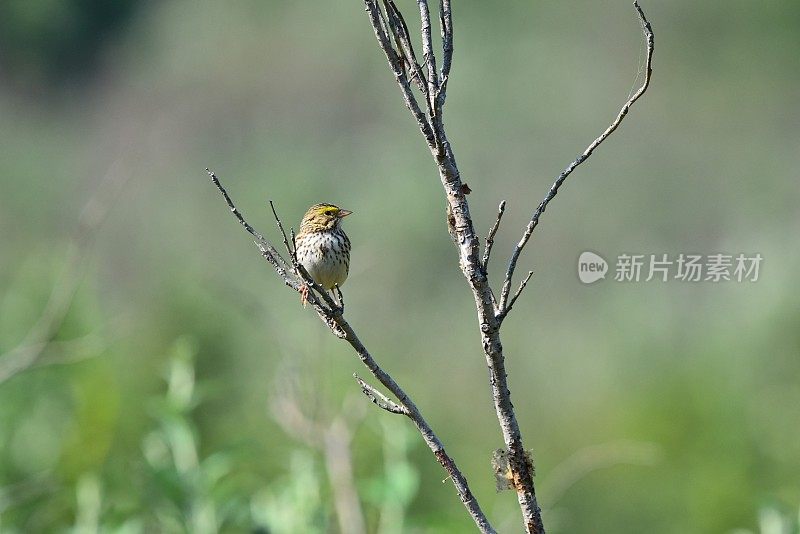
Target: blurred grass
294, 103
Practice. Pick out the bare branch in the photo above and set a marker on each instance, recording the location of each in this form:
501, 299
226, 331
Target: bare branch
289, 250
335, 320
427, 51
512, 264
403, 38
376, 18
446, 23
487, 251
379, 399
490, 314
269, 251
433, 442
468, 244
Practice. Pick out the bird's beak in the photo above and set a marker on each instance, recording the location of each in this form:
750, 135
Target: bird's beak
344, 213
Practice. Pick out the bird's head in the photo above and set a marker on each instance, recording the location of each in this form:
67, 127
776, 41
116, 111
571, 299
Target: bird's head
320, 217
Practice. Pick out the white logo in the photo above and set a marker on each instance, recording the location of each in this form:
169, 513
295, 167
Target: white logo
591, 267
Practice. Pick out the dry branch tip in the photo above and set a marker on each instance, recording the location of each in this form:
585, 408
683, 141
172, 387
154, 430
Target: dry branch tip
487, 252
553, 191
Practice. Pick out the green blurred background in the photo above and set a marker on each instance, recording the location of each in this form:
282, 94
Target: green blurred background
155, 376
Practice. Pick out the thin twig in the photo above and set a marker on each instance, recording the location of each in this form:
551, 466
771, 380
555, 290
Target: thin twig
446, 24
487, 251
379, 399
289, 250
512, 264
294, 245
504, 311
266, 247
431, 439
403, 39
427, 48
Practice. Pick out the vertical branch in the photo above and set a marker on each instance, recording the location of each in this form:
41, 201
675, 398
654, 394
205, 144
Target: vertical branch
468, 245
375, 16
446, 23
405, 48
427, 50
473, 266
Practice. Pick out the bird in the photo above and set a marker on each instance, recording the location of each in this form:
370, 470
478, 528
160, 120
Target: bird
322, 247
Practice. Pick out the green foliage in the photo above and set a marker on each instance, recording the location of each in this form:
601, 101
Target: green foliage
775, 519
173, 487
295, 504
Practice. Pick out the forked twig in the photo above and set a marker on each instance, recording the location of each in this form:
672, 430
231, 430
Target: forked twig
504, 311
269, 251
512, 263
379, 399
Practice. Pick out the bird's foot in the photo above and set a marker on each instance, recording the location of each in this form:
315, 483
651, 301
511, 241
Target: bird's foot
304, 294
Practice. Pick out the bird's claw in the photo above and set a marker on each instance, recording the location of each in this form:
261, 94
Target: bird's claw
304, 295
